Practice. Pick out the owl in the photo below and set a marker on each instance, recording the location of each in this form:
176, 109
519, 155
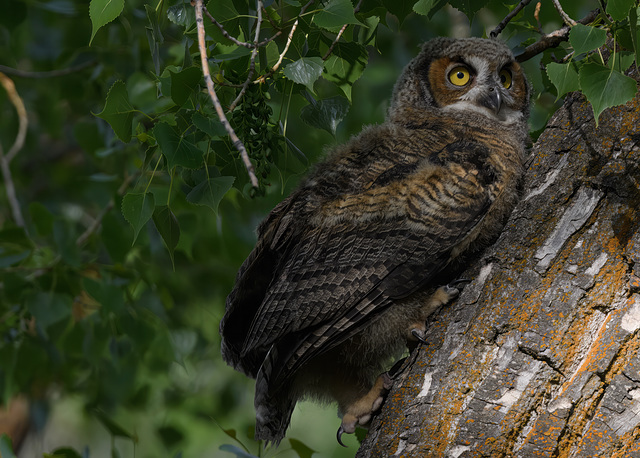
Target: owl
347, 269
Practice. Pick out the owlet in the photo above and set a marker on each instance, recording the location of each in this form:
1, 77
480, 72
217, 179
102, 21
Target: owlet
347, 268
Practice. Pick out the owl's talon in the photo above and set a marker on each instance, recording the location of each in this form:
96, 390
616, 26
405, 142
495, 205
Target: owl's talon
419, 335
339, 436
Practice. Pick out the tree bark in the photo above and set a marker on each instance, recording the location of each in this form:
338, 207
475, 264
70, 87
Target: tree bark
539, 355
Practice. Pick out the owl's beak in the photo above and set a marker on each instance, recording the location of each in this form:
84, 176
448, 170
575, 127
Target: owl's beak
492, 100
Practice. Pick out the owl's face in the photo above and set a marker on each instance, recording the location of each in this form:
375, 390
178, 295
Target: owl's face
492, 88
470, 75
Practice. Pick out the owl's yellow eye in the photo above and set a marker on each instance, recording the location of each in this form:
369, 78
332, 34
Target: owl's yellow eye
505, 78
459, 76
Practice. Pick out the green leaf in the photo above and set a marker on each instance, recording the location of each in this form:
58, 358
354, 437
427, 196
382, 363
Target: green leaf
176, 149
305, 71
42, 218
49, 308
137, 209
346, 65
114, 428
301, 449
102, 12
210, 126
605, 88
184, 83
326, 114
584, 38
335, 14
620, 61
237, 451
427, 7
182, 14
619, 9
468, 7
564, 77
635, 37
168, 227
210, 192
6, 450
118, 111
63, 452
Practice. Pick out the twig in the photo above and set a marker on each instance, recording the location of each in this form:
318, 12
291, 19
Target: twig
536, 14
264, 77
344, 27
224, 32
50, 74
93, 227
237, 143
500, 27
565, 17
252, 64
5, 160
553, 39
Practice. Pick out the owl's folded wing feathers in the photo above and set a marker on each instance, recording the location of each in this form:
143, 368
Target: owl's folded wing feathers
334, 277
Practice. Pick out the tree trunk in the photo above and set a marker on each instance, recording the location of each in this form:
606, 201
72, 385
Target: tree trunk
539, 355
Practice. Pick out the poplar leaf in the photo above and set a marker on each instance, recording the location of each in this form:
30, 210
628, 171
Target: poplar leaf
168, 227
102, 12
605, 88
305, 71
176, 148
118, 111
137, 209
336, 14
584, 38
564, 77
210, 192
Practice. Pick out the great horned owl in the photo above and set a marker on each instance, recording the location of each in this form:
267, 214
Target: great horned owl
345, 270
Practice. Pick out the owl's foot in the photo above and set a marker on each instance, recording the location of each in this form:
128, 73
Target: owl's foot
443, 295
360, 412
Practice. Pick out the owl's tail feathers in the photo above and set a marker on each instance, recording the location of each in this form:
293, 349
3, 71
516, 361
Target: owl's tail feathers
273, 406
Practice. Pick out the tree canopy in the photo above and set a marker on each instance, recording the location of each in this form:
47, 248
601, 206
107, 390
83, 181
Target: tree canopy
132, 180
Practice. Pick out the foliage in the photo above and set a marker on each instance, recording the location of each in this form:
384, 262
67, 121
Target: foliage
134, 207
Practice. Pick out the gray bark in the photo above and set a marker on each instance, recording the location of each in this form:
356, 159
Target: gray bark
539, 355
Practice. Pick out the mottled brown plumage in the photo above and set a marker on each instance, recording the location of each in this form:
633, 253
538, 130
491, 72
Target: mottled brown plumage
343, 273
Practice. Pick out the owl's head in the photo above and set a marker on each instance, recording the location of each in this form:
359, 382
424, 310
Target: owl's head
469, 75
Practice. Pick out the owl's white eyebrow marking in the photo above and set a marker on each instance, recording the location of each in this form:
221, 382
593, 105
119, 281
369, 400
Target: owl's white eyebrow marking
480, 65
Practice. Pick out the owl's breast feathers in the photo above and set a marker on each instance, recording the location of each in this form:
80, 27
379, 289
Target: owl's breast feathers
375, 222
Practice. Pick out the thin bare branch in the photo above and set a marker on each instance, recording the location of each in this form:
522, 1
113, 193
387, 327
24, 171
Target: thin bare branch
18, 143
237, 143
95, 225
536, 14
344, 27
500, 27
50, 74
224, 32
565, 17
252, 64
263, 78
23, 121
553, 39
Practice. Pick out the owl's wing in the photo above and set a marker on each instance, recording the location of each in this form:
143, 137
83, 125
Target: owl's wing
334, 278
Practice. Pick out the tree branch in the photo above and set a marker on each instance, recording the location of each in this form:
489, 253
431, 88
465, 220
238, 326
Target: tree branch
565, 17
50, 74
344, 27
500, 27
5, 160
553, 39
237, 143
98, 221
252, 65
